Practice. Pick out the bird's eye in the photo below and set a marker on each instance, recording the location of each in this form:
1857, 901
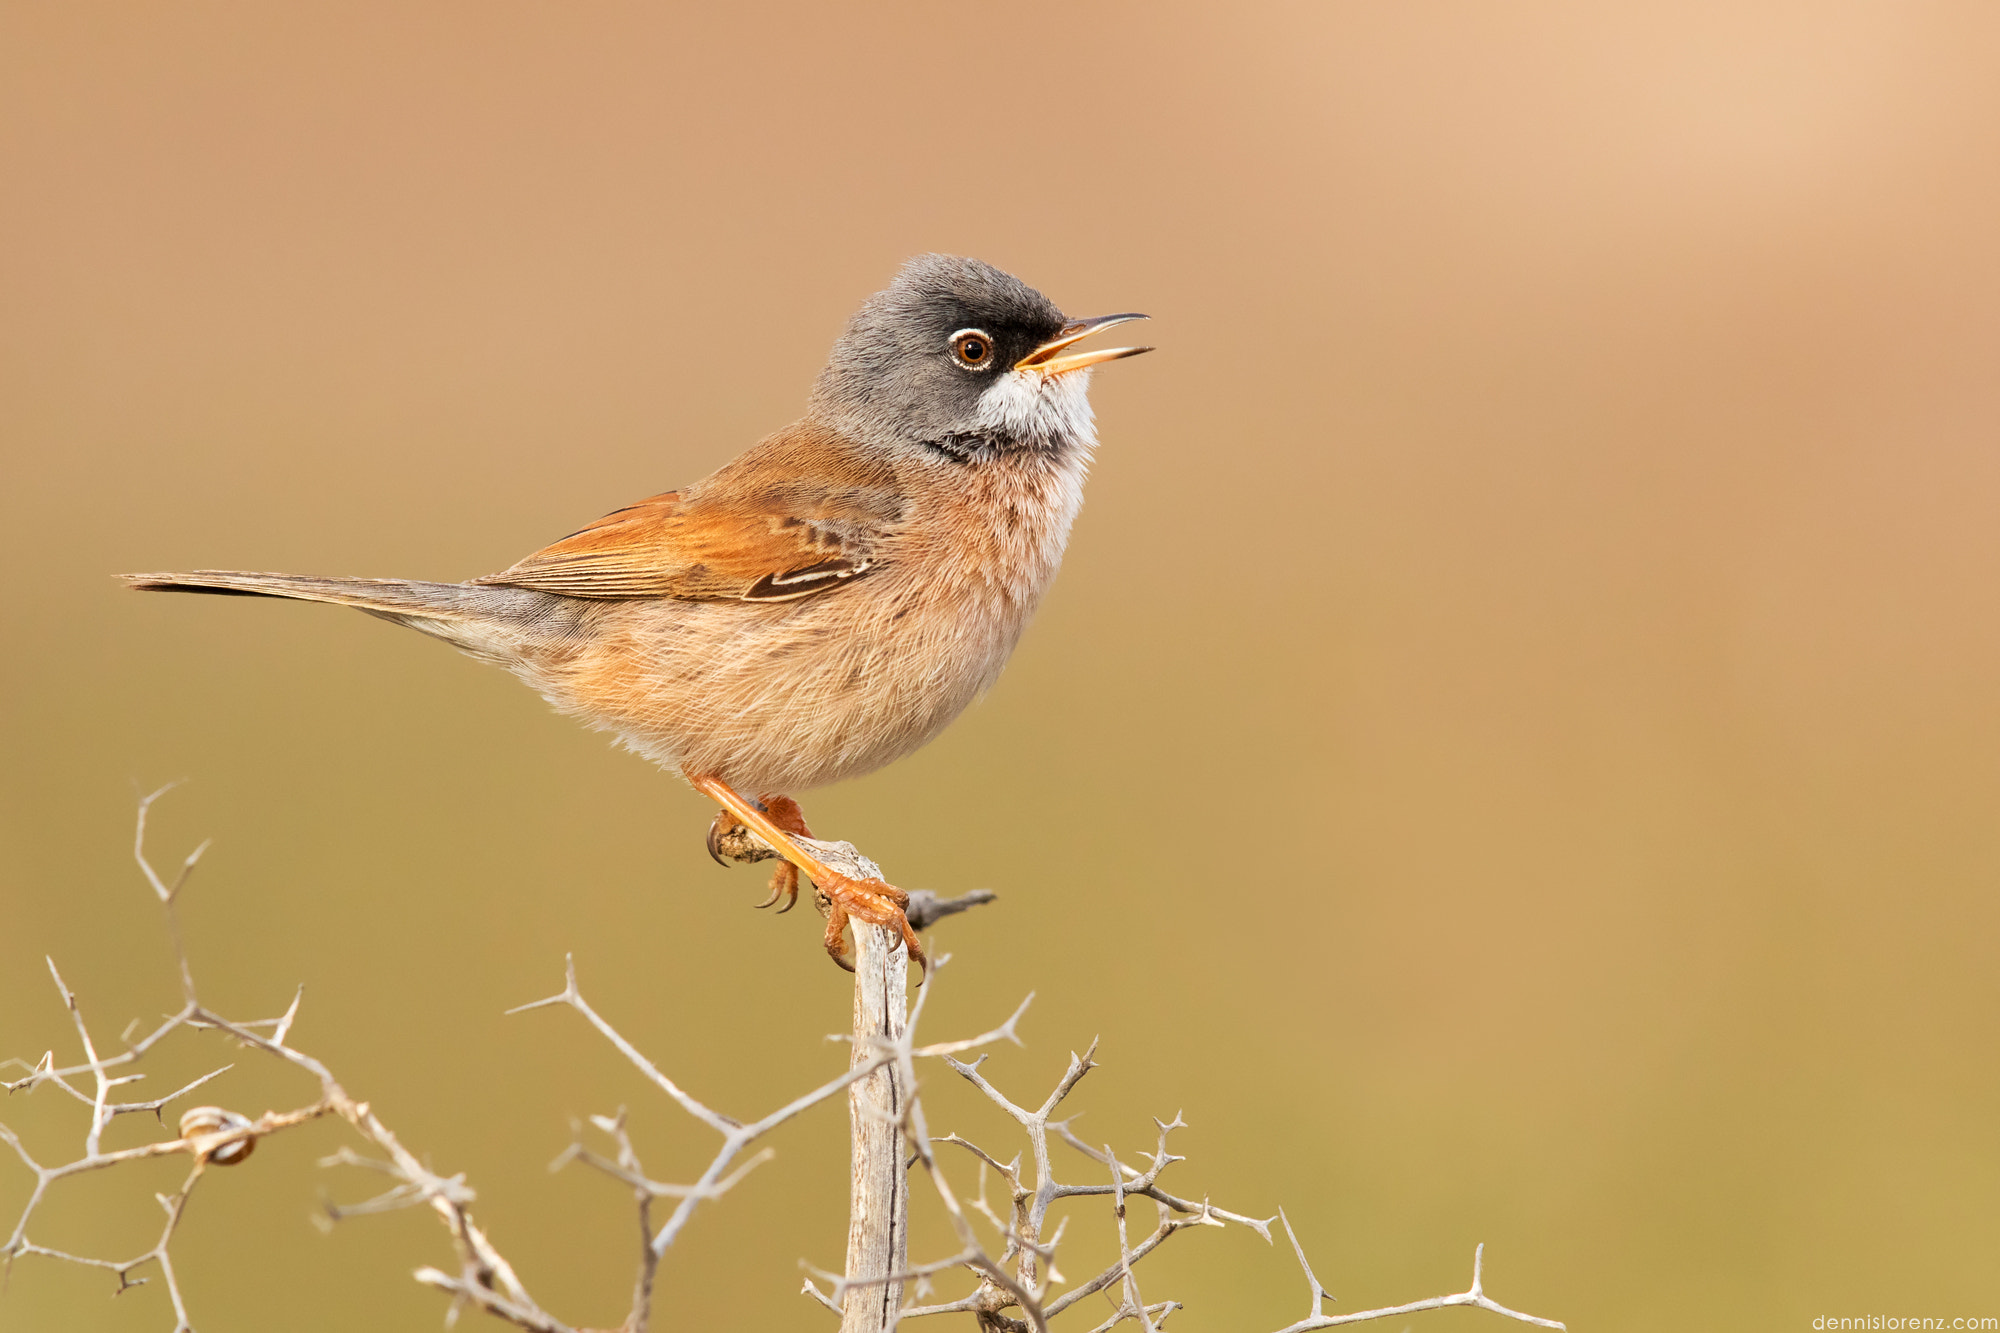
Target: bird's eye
972, 349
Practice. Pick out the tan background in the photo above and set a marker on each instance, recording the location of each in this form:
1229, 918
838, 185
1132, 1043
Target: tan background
1512, 753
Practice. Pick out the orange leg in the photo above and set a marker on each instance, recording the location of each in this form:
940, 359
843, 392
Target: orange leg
870, 900
785, 813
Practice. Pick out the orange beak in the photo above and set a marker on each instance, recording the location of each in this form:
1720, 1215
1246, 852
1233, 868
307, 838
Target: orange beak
1045, 360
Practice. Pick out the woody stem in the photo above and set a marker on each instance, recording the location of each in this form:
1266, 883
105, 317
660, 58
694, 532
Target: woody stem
878, 1199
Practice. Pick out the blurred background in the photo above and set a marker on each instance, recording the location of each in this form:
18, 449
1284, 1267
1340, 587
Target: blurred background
1512, 754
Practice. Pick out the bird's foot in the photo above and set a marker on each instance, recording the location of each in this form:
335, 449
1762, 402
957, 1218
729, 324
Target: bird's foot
728, 840
869, 900
750, 830
785, 813
784, 884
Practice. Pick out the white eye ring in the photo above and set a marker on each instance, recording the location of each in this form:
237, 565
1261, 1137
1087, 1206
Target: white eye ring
979, 342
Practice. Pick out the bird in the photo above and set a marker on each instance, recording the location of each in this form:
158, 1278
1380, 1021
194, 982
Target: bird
826, 602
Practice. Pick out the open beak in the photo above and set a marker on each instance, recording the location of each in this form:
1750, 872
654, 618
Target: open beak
1046, 359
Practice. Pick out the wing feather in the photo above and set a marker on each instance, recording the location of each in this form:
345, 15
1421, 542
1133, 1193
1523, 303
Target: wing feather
723, 539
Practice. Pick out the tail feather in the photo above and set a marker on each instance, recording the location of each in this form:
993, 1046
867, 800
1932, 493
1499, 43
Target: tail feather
514, 627
397, 598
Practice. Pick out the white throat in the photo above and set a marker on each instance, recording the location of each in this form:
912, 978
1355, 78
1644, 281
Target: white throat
1029, 408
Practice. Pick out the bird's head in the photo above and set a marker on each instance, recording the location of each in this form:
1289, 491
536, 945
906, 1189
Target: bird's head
966, 361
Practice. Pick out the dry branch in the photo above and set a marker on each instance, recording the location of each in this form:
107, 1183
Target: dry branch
1016, 1285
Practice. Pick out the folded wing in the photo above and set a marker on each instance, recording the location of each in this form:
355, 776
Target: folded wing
773, 547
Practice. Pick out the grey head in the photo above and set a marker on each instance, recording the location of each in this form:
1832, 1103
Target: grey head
965, 362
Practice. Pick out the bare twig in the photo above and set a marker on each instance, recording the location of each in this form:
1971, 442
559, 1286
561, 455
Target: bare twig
1026, 1256
490, 1280
926, 909
1474, 1295
1018, 1273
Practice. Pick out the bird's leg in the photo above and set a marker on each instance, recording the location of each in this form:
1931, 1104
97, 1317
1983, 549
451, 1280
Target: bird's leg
785, 813
729, 842
870, 900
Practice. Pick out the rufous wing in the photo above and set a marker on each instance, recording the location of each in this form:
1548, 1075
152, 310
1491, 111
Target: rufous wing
783, 546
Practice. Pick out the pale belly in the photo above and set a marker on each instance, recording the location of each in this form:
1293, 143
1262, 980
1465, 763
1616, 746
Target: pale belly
783, 698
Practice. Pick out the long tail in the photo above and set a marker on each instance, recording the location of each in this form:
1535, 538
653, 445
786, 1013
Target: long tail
501, 624
396, 598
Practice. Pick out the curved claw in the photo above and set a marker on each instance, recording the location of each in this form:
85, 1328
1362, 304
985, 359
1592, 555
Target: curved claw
917, 954
872, 901
784, 884
836, 934
721, 821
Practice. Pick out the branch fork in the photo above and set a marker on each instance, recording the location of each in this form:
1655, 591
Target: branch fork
1015, 1278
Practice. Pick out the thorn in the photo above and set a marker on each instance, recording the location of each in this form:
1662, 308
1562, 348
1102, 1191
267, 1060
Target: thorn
187, 868
285, 1024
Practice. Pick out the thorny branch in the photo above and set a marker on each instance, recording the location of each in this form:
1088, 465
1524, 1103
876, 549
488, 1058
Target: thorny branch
1474, 1295
1016, 1273
215, 1137
211, 1136
1022, 1275
717, 1178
